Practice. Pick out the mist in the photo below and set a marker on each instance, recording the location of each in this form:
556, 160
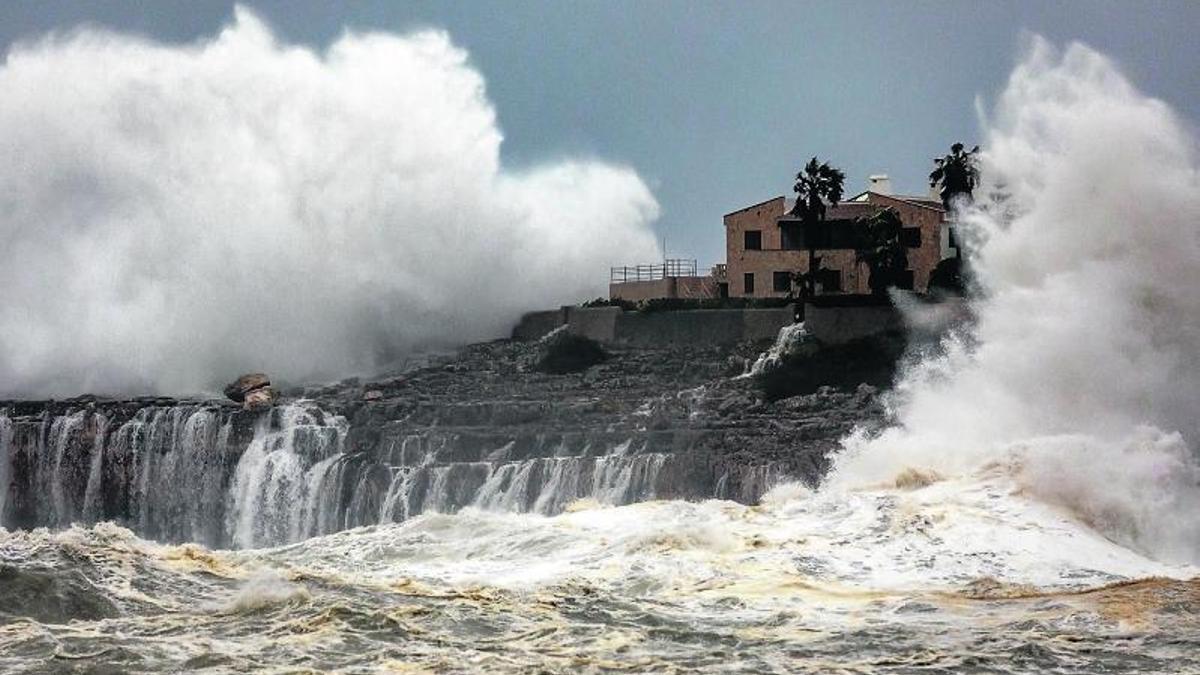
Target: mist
1081, 376
174, 215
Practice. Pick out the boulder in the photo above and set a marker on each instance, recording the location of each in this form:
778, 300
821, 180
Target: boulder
561, 352
260, 399
253, 391
237, 390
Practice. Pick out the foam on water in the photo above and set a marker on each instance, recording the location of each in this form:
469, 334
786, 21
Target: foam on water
942, 536
1082, 371
1034, 508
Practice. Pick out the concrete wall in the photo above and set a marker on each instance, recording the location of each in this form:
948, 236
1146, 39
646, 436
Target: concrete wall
597, 323
670, 287
536, 324
836, 325
696, 288
635, 291
649, 329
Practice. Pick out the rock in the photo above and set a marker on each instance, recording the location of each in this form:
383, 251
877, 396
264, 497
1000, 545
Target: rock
260, 399
253, 391
373, 395
562, 352
239, 388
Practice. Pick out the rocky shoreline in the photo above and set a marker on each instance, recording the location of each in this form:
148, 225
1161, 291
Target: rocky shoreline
484, 426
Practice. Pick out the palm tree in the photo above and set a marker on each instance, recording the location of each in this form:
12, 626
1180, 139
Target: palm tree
816, 184
958, 174
884, 252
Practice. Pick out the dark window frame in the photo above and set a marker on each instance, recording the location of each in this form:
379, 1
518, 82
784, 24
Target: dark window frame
748, 283
748, 236
830, 280
785, 278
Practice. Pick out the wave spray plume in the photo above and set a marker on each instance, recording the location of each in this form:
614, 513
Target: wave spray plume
1082, 374
173, 215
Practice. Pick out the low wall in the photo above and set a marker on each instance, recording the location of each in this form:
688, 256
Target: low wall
701, 326
536, 324
597, 323
838, 325
654, 329
635, 291
697, 288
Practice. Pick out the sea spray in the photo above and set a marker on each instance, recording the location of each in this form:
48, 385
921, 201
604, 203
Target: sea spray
184, 213
1082, 371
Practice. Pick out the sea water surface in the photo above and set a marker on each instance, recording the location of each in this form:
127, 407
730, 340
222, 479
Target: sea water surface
1035, 507
923, 576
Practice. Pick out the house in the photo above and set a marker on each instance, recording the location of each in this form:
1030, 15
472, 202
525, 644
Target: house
764, 245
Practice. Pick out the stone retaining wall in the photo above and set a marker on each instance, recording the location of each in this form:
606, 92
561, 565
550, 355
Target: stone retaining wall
652, 329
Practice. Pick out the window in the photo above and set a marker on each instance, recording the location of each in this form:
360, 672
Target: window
782, 282
753, 240
830, 280
911, 237
792, 236
748, 283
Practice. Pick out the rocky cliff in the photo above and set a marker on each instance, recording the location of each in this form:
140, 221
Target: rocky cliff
485, 428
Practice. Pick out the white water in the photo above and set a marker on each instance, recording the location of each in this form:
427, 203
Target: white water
943, 537
182, 214
296, 480
1082, 375
1047, 450
278, 488
6, 430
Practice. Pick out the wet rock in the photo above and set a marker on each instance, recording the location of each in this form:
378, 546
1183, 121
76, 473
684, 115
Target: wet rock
241, 387
260, 399
673, 408
563, 352
817, 368
253, 391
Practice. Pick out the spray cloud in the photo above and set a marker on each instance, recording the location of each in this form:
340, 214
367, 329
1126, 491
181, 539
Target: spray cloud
171, 216
1083, 372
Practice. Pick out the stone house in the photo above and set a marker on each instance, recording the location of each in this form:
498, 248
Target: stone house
764, 246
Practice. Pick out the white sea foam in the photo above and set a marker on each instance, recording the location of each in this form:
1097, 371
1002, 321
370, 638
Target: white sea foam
262, 590
1082, 373
940, 537
174, 215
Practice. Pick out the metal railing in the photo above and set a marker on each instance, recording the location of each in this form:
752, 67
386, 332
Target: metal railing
671, 267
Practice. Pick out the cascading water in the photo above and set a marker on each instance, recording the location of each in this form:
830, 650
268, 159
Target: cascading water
1022, 515
278, 493
180, 473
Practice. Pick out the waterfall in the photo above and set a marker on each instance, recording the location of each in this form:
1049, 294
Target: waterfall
6, 433
755, 480
217, 475
281, 487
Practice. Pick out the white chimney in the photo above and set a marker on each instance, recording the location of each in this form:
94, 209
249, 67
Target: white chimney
880, 184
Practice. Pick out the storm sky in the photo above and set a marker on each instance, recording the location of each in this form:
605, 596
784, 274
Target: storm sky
714, 104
